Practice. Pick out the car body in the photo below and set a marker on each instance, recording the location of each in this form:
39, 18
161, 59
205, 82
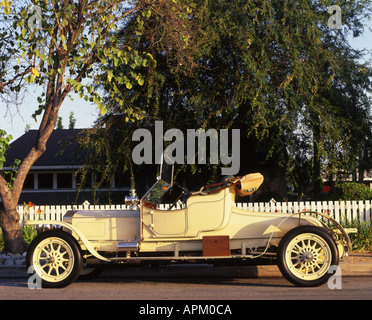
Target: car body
208, 228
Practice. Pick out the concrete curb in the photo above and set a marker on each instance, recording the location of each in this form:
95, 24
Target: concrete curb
13, 272
348, 269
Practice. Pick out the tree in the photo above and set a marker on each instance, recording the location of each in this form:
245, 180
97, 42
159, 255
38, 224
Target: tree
72, 120
170, 39
56, 45
338, 139
59, 124
273, 69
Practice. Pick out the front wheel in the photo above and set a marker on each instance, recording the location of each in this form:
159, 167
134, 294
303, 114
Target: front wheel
305, 255
56, 258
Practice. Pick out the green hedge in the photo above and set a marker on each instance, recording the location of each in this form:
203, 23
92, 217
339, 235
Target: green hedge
351, 191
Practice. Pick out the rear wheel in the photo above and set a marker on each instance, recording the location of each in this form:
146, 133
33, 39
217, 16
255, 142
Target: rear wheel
56, 258
305, 255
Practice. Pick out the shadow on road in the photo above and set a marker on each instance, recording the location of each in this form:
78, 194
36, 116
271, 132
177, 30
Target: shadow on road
194, 280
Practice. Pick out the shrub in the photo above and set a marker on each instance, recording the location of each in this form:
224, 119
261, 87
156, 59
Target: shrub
29, 233
361, 241
351, 191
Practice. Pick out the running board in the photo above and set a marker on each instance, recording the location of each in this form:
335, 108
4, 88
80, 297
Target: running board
117, 259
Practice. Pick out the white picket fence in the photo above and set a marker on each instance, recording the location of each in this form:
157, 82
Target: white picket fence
341, 211
35, 212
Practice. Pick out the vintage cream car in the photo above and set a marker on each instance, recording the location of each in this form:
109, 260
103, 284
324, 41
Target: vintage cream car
209, 228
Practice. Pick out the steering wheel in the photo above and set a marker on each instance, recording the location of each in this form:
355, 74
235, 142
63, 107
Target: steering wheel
183, 191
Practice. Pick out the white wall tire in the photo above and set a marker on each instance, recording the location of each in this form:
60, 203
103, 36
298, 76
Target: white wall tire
56, 258
305, 255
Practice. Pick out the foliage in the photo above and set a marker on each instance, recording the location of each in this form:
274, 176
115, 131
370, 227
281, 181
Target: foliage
9, 175
272, 69
63, 52
132, 106
362, 240
72, 38
351, 191
29, 233
6, 5
72, 120
59, 124
57, 46
4, 146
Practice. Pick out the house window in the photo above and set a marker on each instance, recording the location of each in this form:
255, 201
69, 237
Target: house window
29, 182
64, 180
45, 180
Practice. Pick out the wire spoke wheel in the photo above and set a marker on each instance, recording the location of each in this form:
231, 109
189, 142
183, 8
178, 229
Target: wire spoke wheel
56, 258
306, 254
53, 259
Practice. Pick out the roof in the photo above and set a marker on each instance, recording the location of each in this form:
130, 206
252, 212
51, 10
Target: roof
62, 149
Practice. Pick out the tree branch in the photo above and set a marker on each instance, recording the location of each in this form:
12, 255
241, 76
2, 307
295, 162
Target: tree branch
5, 84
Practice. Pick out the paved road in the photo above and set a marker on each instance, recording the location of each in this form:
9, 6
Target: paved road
353, 288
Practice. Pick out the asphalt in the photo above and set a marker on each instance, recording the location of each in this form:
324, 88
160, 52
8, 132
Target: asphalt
356, 264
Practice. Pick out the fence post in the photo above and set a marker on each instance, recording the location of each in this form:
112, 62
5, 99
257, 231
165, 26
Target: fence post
342, 211
368, 212
348, 211
283, 206
361, 211
296, 207
354, 210
337, 210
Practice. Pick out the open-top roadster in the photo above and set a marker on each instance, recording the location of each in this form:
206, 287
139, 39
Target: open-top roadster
208, 228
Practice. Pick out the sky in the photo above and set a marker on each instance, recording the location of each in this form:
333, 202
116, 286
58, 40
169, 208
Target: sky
15, 122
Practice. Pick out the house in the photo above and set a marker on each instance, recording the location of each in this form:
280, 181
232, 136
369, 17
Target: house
54, 178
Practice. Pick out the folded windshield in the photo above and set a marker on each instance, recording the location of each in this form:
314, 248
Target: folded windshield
164, 181
155, 194
166, 169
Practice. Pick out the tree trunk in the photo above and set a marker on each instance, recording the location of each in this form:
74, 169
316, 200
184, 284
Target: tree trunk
9, 217
9, 222
13, 237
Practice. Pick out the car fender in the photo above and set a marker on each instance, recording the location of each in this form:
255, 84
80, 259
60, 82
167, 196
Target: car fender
79, 234
338, 228
309, 216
